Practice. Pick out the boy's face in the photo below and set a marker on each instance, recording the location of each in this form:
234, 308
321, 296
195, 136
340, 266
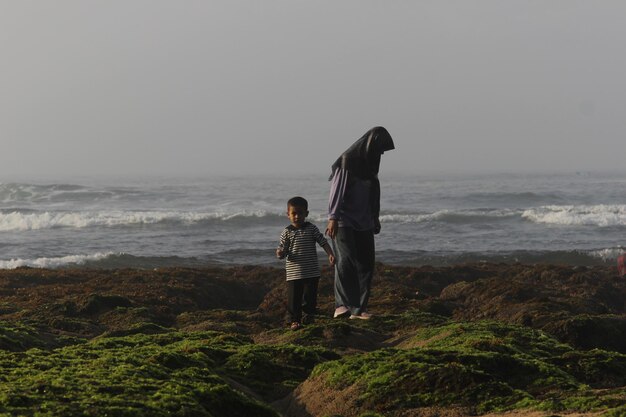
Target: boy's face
297, 215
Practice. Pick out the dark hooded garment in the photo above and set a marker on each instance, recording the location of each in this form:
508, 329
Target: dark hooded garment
362, 160
363, 157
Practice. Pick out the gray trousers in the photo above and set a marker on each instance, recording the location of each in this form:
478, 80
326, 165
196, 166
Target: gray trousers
354, 269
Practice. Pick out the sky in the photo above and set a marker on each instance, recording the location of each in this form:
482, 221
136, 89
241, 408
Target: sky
154, 87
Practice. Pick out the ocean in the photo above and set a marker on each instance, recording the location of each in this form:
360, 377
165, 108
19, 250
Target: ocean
574, 219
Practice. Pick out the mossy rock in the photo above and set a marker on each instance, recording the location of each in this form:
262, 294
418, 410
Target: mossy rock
592, 331
171, 373
274, 371
139, 328
17, 337
98, 303
145, 375
481, 366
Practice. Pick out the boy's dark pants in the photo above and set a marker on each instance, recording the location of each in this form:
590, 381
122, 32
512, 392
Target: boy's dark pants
301, 297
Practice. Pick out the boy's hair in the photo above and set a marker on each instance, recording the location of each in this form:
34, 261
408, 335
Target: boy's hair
298, 202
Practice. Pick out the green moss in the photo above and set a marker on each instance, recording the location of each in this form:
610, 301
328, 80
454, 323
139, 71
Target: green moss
488, 336
273, 371
616, 412
19, 337
8, 308
73, 325
598, 368
148, 370
163, 373
410, 319
97, 303
138, 375
486, 366
145, 328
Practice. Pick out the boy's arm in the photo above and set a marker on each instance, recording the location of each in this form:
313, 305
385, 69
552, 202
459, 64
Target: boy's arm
330, 253
281, 250
323, 242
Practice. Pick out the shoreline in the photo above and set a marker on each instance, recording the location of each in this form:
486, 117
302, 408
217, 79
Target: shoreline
464, 325
265, 258
558, 299
278, 266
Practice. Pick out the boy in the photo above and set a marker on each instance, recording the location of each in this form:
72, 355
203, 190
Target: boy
297, 245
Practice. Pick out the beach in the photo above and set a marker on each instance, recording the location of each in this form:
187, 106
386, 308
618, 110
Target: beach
492, 295
469, 339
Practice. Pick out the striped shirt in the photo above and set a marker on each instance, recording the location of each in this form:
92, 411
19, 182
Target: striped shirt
301, 253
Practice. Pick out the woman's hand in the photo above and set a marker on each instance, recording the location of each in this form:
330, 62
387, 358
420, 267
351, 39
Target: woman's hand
376, 226
331, 229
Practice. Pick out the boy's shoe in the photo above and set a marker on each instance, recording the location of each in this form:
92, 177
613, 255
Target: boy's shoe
362, 316
341, 311
295, 326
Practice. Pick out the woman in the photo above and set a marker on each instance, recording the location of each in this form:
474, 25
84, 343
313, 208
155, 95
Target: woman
353, 210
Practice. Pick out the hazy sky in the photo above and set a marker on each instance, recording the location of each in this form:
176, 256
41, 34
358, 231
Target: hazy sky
184, 87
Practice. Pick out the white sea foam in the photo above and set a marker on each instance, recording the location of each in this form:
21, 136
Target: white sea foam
32, 193
386, 218
439, 215
607, 254
409, 218
447, 215
53, 262
602, 215
18, 221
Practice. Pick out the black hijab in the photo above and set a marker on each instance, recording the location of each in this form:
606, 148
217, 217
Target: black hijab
363, 157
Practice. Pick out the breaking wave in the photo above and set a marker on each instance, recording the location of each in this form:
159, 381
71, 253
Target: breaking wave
28, 220
601, 215
54, 262
25, 219
34, 193
451, 216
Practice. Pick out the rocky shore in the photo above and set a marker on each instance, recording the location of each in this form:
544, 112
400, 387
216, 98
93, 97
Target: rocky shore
475, 339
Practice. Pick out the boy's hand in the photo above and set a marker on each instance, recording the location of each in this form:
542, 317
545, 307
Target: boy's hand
280, 253
331, 260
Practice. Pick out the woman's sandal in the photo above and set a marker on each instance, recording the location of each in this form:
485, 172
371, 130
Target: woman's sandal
295, 325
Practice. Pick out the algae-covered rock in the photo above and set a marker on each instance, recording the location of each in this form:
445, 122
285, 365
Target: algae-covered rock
481, 367
98, 303
606, 331
274, 371
506, 340
183, 374
17, 337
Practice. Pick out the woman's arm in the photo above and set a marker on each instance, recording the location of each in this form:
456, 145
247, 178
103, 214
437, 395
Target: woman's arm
335, 200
